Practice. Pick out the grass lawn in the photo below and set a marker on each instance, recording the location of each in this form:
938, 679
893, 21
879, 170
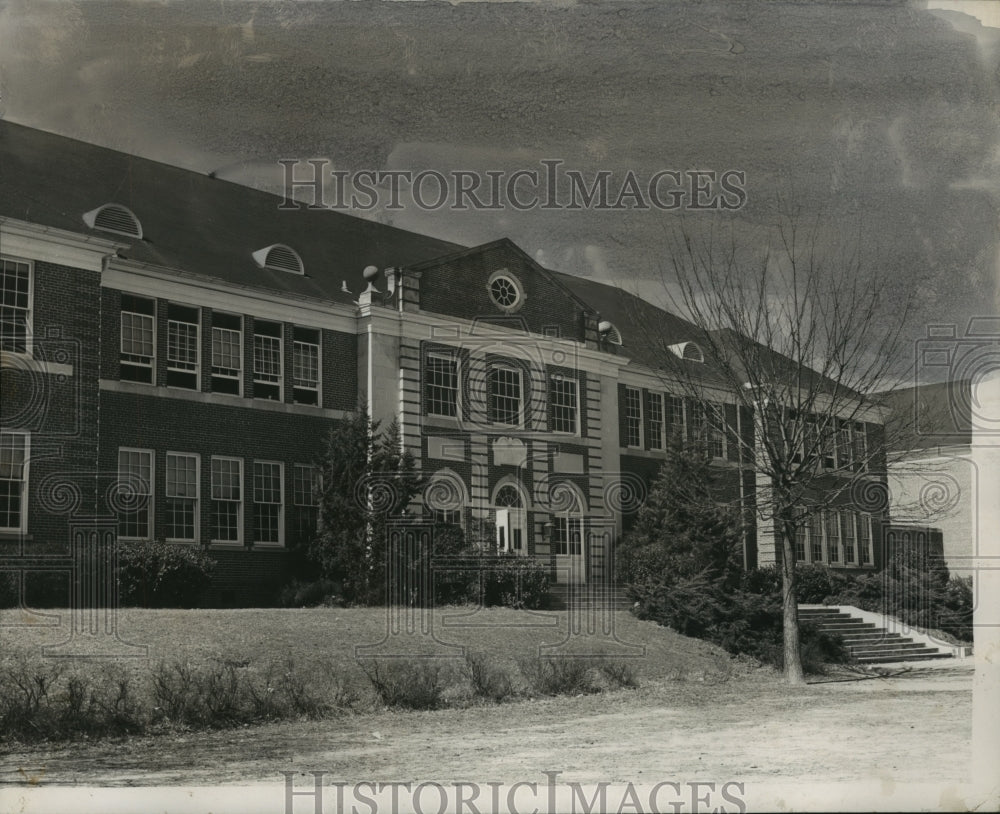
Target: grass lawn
325, 638
694, 717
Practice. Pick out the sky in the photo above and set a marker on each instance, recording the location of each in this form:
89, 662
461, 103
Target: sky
874, 122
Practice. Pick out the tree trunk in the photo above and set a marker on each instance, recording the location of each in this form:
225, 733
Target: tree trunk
790, 607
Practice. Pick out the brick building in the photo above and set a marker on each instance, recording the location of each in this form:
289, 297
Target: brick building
191, 339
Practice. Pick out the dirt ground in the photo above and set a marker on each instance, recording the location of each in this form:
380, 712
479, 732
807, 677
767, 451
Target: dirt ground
909, 729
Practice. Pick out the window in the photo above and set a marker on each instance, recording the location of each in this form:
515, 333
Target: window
267, 360
227, 500
567, 535
268, 504
859, 444
563, 404
15, 298
182, 346
865, 538
305, 366
441, 385
135, 489
675, 416
816, 537
138, 339
13, 481
633, 417
448, 517
847, 533
505, 396
800, 543
826, 442
715, 441
844, 457
227, 353
656, 421
305, 501
182, 496
505, 291
833, 536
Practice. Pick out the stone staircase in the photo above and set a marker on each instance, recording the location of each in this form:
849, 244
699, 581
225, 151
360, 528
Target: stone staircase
588, 597
867, 642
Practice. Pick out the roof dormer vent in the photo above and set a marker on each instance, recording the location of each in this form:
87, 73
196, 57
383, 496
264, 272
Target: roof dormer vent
279, 257
114, 218
609, 332
688, 351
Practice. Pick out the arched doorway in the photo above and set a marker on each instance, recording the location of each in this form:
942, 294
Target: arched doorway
512, 519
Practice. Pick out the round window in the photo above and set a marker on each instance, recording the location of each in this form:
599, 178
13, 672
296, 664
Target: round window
505, 292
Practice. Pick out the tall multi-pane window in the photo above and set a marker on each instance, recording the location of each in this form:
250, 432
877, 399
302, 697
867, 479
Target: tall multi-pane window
656, 421
182, 496
859, 445
816, 537
563, 404
826, 444
844, 456
505, 396
633, 417
182, 346
305, 366
696, 420
865, 538
138, 346
674, 406
833, 535
13, 481
441, 384
567, 535
135, 487
267, 360
715, 437
227, 353
800, 543
305, 501
15, 299
227, 500
847, 535
268, 503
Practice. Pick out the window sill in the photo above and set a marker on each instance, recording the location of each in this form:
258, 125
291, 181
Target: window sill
14, 535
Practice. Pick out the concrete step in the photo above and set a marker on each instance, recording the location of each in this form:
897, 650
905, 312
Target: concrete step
911, 657
866, 649
858, 627
867, 642
874, 638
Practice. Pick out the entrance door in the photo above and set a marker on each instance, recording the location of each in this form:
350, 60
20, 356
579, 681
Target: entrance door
568, 543
512, 531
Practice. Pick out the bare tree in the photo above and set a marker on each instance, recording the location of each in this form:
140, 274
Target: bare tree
800, 339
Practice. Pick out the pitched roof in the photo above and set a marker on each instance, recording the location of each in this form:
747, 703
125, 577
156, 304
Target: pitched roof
929, 415
195, 222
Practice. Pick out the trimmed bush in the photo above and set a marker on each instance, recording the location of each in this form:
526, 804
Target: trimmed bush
162, 575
